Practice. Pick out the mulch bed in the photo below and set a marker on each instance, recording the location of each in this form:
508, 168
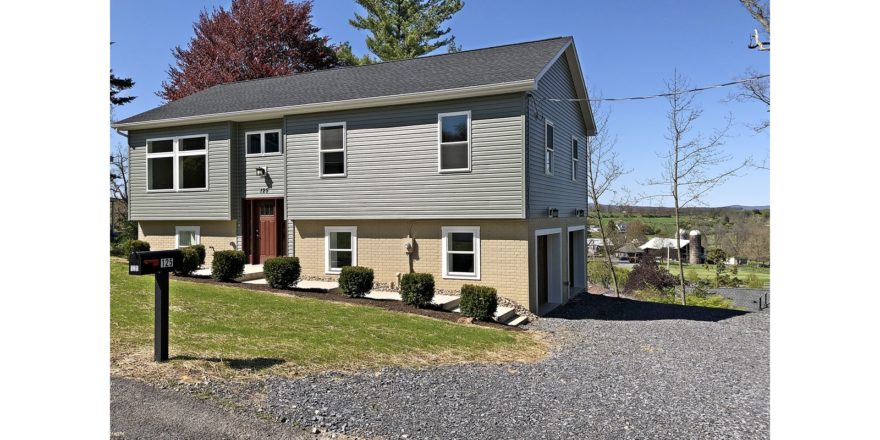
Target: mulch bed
396, 306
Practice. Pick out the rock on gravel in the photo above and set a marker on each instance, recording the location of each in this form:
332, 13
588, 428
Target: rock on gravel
618, 369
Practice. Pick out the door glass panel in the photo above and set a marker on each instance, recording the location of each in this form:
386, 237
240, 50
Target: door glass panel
267, 209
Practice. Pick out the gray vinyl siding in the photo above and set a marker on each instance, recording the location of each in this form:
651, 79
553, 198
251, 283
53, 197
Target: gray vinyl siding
392, 163
556, 190
212, 204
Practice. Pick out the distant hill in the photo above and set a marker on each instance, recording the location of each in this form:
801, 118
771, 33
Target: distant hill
744, 207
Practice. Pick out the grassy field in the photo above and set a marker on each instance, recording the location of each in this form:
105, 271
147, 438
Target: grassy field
708, 271
218, 331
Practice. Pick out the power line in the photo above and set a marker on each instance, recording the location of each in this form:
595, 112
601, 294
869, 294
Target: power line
663, 95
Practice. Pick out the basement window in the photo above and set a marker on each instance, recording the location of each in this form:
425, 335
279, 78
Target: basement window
461, 252
454, 141
186, 236
331, 141
340, 248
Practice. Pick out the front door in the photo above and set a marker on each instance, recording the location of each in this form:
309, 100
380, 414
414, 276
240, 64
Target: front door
266, 234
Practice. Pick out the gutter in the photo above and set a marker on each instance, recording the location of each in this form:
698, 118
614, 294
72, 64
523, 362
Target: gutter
379, 101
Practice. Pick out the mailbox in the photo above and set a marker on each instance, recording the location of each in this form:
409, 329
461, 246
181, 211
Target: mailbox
151, 262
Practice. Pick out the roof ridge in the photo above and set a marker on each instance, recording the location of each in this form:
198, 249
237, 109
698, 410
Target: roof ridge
385, 62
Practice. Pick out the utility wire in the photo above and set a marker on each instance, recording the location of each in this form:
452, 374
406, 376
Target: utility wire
662, 95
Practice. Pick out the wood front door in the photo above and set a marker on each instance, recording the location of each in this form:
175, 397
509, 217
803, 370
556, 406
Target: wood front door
267, 230
262, 229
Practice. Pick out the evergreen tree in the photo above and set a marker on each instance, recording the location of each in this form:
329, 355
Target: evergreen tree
118, 85
403, 29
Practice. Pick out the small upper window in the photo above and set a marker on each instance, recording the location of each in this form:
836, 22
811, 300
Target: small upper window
455, 141
548, 148
263, 142
331, 138
574, 158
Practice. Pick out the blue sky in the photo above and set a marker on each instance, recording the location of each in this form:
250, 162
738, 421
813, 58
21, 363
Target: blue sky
626, 48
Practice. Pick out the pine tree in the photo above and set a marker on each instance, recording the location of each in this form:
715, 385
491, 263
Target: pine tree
403, 29
118, 85
253, 39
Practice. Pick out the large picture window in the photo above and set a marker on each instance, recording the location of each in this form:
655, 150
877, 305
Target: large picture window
331, 140
263, 143
340, 248
548, 147
177, 164
461, 252
454, 141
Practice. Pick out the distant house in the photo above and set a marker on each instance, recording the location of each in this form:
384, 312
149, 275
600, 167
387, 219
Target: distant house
595, 246
629, 252
737, 261
594, 228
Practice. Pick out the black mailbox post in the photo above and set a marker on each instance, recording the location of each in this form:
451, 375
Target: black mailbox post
157, 263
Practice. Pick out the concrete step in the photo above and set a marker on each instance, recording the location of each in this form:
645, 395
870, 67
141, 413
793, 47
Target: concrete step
256, 281
318, 286
446, 302
517, 321
383, 295
503, 313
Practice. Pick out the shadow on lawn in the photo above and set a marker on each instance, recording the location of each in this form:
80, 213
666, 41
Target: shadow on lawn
255, 364
603, 308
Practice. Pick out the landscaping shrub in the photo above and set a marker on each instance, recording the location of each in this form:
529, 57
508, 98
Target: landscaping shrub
691, 275
753, 282
200, 248
117, 250
598, 273
478, 302
647, 275
227, 265
135, 246
281, 272
417, 289
356, 281
189, 263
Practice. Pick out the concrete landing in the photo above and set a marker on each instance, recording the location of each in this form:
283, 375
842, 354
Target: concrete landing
251, 272
318, 286
445, 302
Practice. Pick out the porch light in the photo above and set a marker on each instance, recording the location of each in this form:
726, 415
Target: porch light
552, 212
262, 171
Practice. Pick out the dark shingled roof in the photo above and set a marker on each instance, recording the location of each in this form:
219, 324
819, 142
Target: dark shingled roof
478, 67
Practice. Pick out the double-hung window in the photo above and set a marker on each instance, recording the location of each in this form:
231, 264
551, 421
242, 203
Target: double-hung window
340, 248
454, 137
331, 141
186, 236
263, 143
461, 252
548, 147
177, 164
575, 145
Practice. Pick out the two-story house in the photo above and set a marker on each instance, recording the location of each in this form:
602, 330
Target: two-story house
470, 166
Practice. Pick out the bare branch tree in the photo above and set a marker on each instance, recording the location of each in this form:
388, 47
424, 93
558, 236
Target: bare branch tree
690, 164
760, 11
119, 179
603, 169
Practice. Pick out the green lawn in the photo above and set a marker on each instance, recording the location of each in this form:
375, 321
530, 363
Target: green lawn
233, 332
708, 272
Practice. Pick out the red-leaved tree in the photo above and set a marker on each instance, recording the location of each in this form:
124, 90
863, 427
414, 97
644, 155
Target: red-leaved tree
253, 39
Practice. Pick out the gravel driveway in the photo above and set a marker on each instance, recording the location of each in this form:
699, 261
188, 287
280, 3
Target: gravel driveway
619, 369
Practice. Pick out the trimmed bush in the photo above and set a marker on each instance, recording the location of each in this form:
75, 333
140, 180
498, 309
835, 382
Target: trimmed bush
478, 302
356, 281
598, 273
417, 289
647, 275
200, 248
281, 272
189, 263
227, 265
135, 246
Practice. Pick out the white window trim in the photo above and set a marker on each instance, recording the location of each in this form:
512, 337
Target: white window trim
575, 157
176, 154
179, 229
327, 230
440, 117
444, 254
262, 134
548, 166
344, 150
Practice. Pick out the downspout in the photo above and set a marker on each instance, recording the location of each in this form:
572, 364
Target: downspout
526, 137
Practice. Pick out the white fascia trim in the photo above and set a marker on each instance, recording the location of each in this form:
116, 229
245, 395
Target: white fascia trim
580, 86
277, 112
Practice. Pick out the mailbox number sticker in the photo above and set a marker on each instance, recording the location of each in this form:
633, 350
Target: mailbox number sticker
134, 268
166, 262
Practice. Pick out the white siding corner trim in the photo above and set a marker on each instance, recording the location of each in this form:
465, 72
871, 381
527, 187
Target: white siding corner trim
445, 252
